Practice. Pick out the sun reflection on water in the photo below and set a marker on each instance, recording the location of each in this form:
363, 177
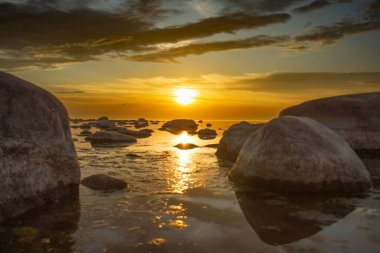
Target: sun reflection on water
184, 138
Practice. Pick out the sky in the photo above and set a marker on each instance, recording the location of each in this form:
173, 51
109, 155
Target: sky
240, 59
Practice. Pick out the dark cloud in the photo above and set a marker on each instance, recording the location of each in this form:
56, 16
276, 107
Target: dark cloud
330, 34
372, 10
202, 48
258, 6
318, 4
44, 34
309, 82
48, 34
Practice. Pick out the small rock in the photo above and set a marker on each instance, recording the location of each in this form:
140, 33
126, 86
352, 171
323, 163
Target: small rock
103, 137
103, 182
207, 134
85, 133
186, 146
103, 118
179, 125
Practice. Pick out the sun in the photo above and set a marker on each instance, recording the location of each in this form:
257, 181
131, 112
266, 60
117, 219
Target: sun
185, 96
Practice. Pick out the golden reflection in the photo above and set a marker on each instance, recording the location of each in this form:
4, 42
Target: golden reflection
157, 241
184, 138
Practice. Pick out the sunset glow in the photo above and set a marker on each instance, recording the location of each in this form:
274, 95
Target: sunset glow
185, 96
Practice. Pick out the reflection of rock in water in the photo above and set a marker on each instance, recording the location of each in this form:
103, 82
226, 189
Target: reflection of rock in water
45, 229
280, 220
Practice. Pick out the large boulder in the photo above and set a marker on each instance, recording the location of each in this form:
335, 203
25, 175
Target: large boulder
355, 117
38, 159
234, 138
105, 137
297, 154
179, 125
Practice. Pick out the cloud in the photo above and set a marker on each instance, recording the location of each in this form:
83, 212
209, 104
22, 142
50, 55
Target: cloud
258, 6
327, 35
50, 34
318, 4
309, 82
170, 55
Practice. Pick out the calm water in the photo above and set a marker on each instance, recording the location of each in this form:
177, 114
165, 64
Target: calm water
182, 201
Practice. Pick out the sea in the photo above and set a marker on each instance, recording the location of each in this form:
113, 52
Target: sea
182, 201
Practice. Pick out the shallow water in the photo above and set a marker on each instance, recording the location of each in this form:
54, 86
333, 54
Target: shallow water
182, 201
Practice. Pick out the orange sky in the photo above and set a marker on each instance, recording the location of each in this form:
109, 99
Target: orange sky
245, 59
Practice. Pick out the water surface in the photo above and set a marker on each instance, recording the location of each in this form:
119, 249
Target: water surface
182, 201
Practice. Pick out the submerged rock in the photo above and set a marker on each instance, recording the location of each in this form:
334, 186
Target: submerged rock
355, 117
179, 125
104, 137
38, 158
85, 133
186, 146
297, 154
85, 126
103, 182
133, 156
234, 138
207, 134
283, 219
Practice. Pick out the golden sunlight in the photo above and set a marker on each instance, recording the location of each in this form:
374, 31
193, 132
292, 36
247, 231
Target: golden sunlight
185, 96
184, 138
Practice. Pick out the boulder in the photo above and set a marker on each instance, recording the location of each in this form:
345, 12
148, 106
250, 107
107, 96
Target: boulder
141, 122
104, 137
355, 117
103, 118
179, 125
298, 154
103, 182
105, 124
208, 125
207, 134
234, 138
38, 159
